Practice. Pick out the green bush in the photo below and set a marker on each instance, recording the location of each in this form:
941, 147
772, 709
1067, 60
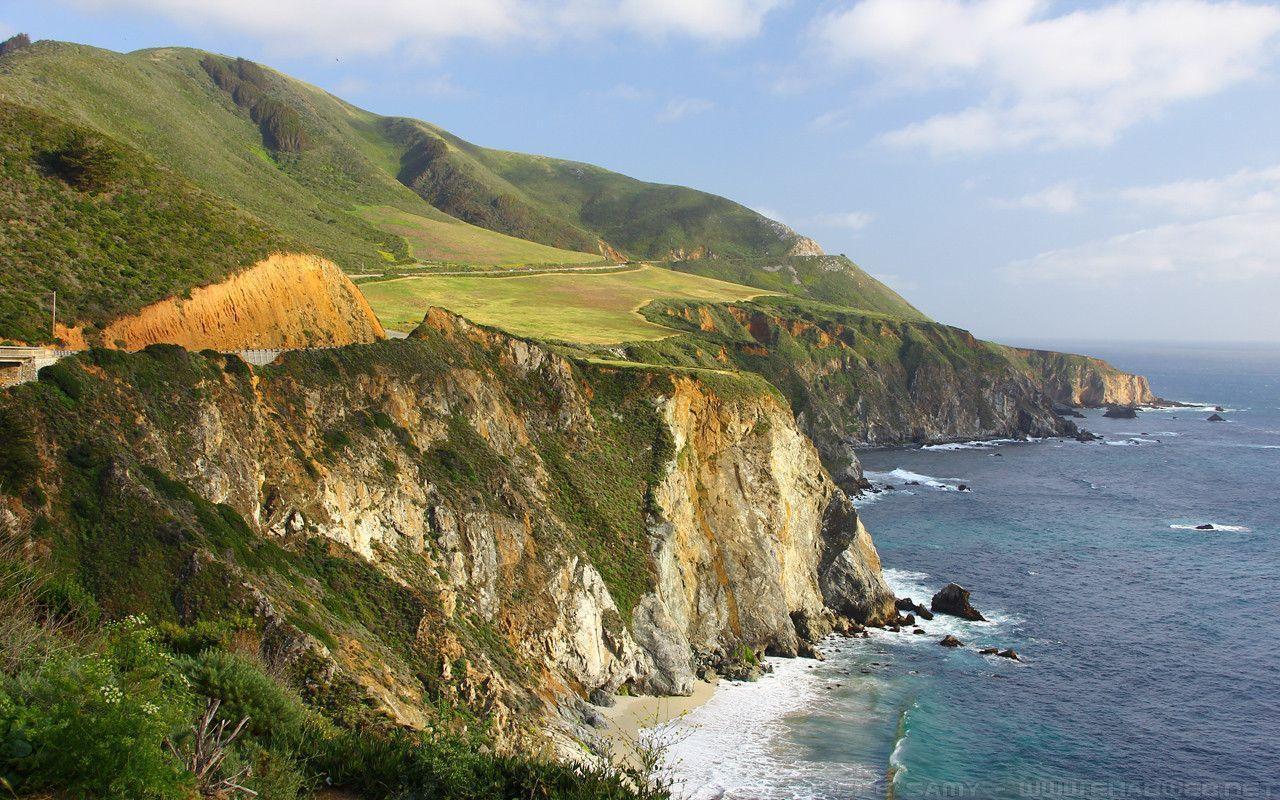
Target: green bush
96, 724
64, 377
275, 713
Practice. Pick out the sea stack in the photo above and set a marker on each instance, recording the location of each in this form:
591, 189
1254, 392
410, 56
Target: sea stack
953, 599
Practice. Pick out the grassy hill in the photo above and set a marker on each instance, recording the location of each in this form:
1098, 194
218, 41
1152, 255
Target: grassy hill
834, 280
104, 226
311, 165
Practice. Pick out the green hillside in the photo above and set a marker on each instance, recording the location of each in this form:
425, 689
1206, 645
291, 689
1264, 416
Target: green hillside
105, 227
309, 164
829, 279
644, 220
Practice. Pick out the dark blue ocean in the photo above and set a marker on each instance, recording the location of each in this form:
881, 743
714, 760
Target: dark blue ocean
1150, 648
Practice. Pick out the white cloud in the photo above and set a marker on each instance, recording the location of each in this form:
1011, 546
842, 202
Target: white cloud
682, 107
374, 27
1243, 192
1060, 198
831, 121
850, 220
1049, 78
1236, 247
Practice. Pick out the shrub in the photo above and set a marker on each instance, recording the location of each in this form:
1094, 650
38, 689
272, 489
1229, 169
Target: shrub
63, 377
14, 43
95, 725
275, 714
85, 162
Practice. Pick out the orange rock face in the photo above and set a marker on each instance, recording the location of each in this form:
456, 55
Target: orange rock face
287, 300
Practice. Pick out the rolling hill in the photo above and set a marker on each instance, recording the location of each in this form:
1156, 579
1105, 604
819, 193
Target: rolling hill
312, 164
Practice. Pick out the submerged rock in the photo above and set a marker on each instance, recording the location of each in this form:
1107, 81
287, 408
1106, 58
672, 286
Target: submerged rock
1121, 412
951, 641
1215, 418
1204, 527
953, 599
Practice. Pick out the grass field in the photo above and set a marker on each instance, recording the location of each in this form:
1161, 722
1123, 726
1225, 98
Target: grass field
578, 308
459, 243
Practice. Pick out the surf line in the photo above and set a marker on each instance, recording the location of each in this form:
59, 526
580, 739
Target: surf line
896, 767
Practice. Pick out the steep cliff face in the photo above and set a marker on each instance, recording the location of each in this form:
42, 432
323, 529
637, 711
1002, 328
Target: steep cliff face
286, 300
744, 527
859, 379
1082, 380
461, 519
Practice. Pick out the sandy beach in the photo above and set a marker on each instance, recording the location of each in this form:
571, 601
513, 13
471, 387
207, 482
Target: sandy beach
630, 714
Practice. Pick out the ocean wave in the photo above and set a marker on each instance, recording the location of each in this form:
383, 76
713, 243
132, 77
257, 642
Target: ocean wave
898, 478
717, 751
1191, 406
920, 587
977, 444
1216, 528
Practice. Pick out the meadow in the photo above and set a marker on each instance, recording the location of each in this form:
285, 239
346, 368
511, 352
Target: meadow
598, 308
451, 241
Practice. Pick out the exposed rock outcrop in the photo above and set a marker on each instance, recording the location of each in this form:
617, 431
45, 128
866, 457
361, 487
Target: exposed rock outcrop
953, 599
287, 300
544, 529
804, 246
1076, 380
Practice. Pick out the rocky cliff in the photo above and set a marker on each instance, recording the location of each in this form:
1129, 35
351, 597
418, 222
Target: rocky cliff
287, 300
856, 379
1076, 380
458, 520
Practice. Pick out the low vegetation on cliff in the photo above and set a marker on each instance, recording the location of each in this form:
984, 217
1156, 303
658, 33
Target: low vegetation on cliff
105, 226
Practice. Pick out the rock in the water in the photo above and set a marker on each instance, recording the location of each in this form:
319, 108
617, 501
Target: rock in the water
1083, 435
1216, 418
953, 599
1204, 527
918, 631
951, 641
905, 604
1121, 412
964, 487
1010, 653
1219, 408
990, 651
1064, 410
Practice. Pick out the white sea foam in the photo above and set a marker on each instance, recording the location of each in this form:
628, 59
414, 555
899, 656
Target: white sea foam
1216, 528
898, 478
736, 744
977, 444
920, 587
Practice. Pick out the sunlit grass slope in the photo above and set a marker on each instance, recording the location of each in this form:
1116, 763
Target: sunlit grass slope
578, 308
454, 242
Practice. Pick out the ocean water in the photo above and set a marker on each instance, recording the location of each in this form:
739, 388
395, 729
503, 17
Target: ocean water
1150, 648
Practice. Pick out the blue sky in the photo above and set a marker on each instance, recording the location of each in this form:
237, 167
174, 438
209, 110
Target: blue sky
1029, 170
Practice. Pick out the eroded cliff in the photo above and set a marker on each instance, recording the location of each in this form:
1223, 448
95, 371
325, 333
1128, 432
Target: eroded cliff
856, 379
1076, 380
287, 300
458, 520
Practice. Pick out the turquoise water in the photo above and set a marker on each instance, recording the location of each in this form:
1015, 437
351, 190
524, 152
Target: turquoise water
1150, 649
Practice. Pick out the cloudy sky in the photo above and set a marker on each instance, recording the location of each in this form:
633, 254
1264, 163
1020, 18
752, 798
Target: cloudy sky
1031, 170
